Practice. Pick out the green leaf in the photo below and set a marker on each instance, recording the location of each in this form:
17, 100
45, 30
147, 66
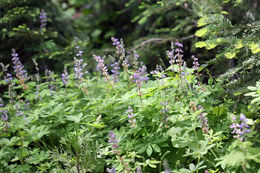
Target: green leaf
255, 48
156, 148
200, 44
210, 45
202, 21
149, 150
75, 118
202, 32
235, 158
230, 55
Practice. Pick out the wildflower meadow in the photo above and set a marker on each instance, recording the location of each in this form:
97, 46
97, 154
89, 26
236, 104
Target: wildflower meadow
68, 105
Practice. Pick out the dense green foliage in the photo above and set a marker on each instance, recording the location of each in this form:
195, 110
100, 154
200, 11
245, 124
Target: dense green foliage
137, 108
66, 127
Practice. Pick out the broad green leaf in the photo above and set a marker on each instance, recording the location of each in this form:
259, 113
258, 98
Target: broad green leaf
255, 48
75, 118
202, 21
235, 158
211, 45
200, 44
239, 44
156, 148
202, 32
230, 55
149, 150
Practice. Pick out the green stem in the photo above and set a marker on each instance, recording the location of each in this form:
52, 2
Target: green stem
160, 168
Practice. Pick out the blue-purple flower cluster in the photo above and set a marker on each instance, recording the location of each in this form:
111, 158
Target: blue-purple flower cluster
112, 170
43, 18
113, 140
179, 55
8, 77
130, 115
19, 112
195, 63
240, 130
101, 66
204, 123
3, 113
159, 73
119, 45
170, 55
203, 120
140, 76
78, 68
115, 71
65, 77
20, 72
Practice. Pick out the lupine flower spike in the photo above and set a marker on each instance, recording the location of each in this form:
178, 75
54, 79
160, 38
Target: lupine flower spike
119, 47
139, 77
65, 77
195, 63
130, 115
179, 56
43, 19
240, 130
203, 120
165, 113
159, 73
115, 71
112, 170
113, 140
4, 115
78, 68
101, 66
20, 72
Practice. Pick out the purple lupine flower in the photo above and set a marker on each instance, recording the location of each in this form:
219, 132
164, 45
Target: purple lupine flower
140, 76
125, 63
195, 63
159, 73
101, 66
240, 130
27, 105
113, 140
8, 77
112, 170
165, 112
178, 55
130, 115
18, 111
115, 71
50, 77
178, 44
165, 109
78, 68
37, 92
65, 77
4, 117
170, 55
43, 18
20, 72
79, 53
204, 122
119, 45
